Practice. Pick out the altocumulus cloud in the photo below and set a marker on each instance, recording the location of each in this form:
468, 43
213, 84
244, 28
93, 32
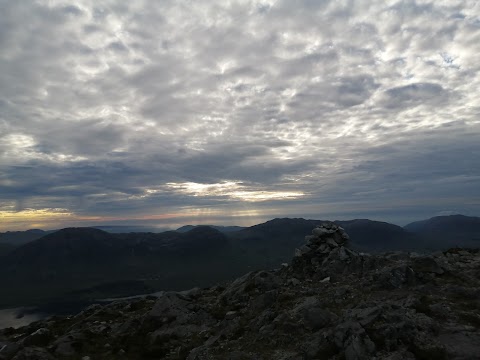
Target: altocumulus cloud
175, 111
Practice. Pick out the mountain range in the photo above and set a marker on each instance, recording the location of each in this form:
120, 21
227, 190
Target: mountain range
89, 263
327, 302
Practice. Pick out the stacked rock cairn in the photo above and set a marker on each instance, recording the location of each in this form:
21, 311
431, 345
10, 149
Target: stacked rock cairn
325, 252
325, 238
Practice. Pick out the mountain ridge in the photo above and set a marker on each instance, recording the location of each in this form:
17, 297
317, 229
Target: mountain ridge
328, 302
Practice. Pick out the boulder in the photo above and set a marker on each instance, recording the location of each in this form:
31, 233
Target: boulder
41, 337
427, 264
33, 353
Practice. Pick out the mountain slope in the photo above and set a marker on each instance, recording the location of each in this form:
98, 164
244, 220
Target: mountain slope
65, 246
448, 231
446, 224
17, 238
375, 236
223, 229
330, 302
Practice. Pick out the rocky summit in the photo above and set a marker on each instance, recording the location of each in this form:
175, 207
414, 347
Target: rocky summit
330, 302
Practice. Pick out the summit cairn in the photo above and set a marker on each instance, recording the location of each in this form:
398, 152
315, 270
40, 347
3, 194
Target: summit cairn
326, 253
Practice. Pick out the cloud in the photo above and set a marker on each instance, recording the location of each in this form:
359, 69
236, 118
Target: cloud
365, 108
415, 94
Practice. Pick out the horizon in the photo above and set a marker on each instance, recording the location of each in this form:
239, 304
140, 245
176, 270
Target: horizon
237, 112
176, 226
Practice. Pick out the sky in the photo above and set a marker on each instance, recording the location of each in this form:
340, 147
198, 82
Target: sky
165, 113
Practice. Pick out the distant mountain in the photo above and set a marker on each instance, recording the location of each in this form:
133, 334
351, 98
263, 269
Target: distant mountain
121, 229
68, 245
21, 237
367, 235
223, 229
91, 263
69, 261
448, 231
6, 249
446, 224
377, 236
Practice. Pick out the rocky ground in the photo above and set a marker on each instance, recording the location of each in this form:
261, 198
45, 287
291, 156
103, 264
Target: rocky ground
328, 303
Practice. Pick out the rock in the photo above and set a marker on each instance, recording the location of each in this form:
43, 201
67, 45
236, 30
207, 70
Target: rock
359, 348
342, 254
33, 353
330, 303
293, 282
7, 350
317, 318
425, 348
241, 287
239, 355
345, 331
265, 300
399, 277
321, 231
41, 337
331, 242
318, 347
324, 248
427, 264
365, 316
170, 307
305, 249
69, 344
230, 315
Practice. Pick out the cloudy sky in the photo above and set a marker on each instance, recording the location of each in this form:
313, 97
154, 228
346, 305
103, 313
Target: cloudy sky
235, 112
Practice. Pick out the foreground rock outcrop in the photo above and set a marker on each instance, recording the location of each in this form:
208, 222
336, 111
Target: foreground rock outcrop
329, 303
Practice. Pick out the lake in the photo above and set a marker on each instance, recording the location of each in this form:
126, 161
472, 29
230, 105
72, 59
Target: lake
19, 317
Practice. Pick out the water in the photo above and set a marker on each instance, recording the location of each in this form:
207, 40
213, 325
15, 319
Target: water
18, 317
21, 316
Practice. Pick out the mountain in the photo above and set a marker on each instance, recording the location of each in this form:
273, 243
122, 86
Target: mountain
65, 246
223, 229
367, 235
375, 236
21, 237
121, 229
328, 302
91, 263
5, 249
446, 224
88, 261
448, 231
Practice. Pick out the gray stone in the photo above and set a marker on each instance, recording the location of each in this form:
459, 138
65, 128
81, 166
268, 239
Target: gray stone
400, 277
366, 316
7, 350
230, 315
265, 300
342, 254
321, 231
170, 307
33, 353
293, 282
427, 264
324, 248
317, 318
359, 348
41, 337
68, 344
331, 242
